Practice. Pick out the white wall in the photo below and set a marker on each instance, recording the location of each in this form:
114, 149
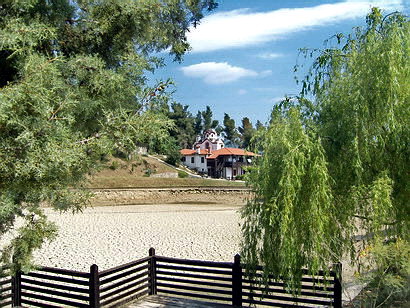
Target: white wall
198, 165
228, 173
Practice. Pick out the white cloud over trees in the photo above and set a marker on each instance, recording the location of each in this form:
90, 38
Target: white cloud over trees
217, 72
240, 28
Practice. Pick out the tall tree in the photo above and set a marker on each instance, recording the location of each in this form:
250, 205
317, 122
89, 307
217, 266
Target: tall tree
73, 88
340, 163
230, 131
183, 132
198, 127
207, 120
247, 131
258, 124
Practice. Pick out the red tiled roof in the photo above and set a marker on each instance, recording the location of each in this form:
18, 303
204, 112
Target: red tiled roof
193, 152
230, 151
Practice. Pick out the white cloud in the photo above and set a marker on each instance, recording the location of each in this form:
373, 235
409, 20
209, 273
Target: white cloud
242, 27
265, 73
269, 55
217, 72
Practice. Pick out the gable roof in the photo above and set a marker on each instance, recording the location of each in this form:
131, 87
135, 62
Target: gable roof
230, 151
193, 152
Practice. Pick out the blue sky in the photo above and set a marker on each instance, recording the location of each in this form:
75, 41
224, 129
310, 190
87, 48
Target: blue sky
243, 53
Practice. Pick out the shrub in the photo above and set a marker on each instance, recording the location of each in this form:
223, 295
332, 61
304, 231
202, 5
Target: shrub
173, 155
182, 174
389, 278
114, 165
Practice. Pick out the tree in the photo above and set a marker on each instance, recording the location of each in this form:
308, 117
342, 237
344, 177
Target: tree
339, 163
258, 125
72, 89
207, 120
247, 131
229, 130
183, 132
198, 123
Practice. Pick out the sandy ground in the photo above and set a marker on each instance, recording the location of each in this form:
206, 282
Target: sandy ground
113, 235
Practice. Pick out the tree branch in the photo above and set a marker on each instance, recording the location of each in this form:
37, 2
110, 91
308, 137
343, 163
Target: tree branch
87, 140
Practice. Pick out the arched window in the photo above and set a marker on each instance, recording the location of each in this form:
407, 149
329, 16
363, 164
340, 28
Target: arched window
207, 145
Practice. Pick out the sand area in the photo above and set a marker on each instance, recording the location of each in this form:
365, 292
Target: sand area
112, 235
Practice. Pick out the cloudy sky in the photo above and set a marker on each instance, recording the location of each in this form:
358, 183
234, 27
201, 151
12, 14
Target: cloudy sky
243, 53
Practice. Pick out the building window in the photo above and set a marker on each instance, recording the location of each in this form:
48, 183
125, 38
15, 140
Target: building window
240, 159
207, 146
183, 158
234, 172
202, 160
192, 160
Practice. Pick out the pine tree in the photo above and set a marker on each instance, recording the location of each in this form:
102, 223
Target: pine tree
230, 132
247, 131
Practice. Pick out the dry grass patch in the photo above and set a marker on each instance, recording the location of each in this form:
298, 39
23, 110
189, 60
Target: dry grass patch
136, 173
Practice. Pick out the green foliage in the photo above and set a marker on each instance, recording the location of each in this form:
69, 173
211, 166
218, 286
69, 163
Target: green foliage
114, 165
230, 131
297, 194
246, 132
338, 163
184, 131
182, 174
173, 155
207, 121
388, 279
74, 89
240, 177
198, 123
148, 172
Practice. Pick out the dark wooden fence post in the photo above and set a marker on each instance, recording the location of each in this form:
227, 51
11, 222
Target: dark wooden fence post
94, 287
152, 272
237, 282
16, 289
338, 285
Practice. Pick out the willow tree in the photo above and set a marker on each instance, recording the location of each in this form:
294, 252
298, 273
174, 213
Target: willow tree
73, 87
338, 164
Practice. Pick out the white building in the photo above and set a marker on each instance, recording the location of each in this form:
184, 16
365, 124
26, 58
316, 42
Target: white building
209, 141
209, 156
195, 159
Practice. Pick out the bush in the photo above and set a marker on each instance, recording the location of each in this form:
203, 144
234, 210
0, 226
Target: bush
389, 278
148, 172
182, 174
173, 155
114, 165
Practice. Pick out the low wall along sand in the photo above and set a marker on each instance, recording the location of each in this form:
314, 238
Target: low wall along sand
227, 196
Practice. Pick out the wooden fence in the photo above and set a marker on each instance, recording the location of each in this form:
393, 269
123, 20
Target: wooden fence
221, 282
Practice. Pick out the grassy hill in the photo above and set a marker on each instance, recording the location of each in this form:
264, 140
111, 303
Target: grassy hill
142, 172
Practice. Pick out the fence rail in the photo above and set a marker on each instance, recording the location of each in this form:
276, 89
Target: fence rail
48, 287
194, 279
6, 283
219, 282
